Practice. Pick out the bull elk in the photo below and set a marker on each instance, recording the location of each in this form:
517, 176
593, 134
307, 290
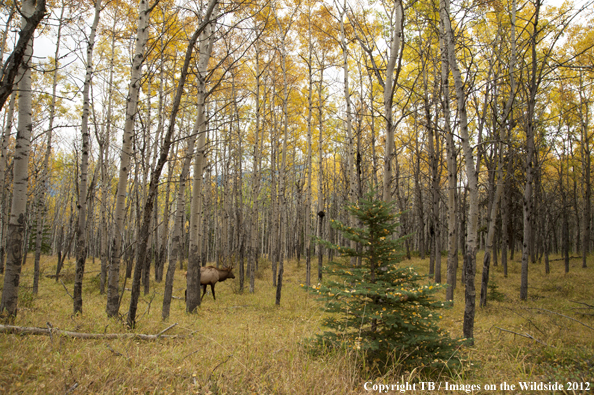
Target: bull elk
211, 275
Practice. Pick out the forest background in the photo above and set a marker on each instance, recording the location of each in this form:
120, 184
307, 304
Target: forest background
229, 132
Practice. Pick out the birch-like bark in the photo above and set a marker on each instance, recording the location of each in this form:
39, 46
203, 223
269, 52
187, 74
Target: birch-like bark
389, 90
252, 251
193, 279
471, 174
452, 167
308, 166
9, 114
321, 213
156, 172
492, 222
176, 242
13, 64
113, 303
160, 255
350, 142
4, 202
584, 110
528, 203
283, 168
16, 226
103, 161
81, 239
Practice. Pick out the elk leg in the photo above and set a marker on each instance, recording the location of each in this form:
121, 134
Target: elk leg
204, 288
213, 294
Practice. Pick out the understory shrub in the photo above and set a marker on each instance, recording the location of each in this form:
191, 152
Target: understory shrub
382, 308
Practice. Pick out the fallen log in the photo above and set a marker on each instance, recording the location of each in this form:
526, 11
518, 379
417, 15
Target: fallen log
23, 330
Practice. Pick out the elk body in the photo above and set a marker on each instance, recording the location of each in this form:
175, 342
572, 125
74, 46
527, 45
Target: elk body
211, 275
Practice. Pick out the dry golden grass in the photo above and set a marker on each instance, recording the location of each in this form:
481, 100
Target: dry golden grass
243, 343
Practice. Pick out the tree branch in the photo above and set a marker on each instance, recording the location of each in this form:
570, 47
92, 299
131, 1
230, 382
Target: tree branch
22, 330
526, 335
14, 61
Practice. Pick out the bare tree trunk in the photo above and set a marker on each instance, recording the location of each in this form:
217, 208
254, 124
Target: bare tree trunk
321, 213
452, 265
389, 90
176, 243
507, 112
4, 148
308, 166
156, 173
492, 223
528, 202
103, 159
350, 142
471, 173
586, 171
16, 226
4, 203
21, 52
193, 279
160, 255
282, 232
434, 153
113, 303
253, 242
81, 242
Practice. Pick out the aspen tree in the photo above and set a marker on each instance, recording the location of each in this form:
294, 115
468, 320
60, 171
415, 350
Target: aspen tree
257, 160
113, 297
471, 174
452, 168
528, 202
308, 166
3, 159
321, 214
16, 226
81, 239
350, 142
156, 172
584, 111
45, 167
160, 255
507, 112
103, 163
207, 39
176, 243
12, 66
283, 166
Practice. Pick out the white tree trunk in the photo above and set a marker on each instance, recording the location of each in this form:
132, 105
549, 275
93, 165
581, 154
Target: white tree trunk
471, 174
193, 279
113, 303
16, 226
81, 242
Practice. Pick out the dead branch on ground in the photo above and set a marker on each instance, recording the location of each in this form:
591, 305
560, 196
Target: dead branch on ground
562, 315
22, 330
526, 335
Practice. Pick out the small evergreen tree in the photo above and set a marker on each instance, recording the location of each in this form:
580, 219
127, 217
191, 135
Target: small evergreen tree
380, 308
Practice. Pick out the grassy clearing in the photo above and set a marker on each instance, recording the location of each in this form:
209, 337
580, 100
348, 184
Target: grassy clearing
243, 343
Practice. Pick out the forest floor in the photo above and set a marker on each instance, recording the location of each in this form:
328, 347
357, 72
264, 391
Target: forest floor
245, 344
